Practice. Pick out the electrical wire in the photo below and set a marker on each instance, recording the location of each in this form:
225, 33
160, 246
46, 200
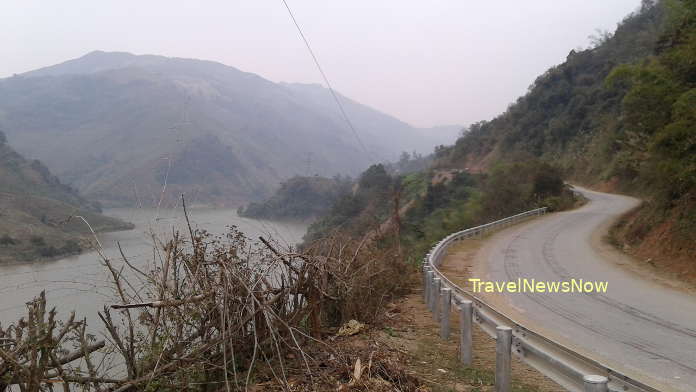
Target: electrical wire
326, 80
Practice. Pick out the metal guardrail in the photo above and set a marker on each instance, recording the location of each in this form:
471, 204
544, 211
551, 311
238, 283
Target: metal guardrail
573, 371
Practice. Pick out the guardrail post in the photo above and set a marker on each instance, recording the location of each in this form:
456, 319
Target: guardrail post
426, 284
465, 324
436, 298
594, 383
445, 310
431, 289
503, 359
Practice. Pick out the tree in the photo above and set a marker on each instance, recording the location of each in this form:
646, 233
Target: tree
599, 38
375, 177
37, 240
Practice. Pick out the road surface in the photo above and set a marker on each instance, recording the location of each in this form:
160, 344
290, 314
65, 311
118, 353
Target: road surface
639, 326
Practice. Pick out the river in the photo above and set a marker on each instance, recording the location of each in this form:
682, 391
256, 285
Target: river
81, 282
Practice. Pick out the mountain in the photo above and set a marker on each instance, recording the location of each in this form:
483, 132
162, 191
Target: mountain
118, 127
620, 116
38, 212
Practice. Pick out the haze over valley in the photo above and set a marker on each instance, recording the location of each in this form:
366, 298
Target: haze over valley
118, 126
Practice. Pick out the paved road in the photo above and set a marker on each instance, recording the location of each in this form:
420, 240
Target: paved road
638, 326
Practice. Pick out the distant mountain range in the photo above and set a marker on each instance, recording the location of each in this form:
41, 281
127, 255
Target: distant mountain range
118, 127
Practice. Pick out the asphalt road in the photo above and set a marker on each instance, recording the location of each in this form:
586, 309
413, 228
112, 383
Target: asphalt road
639, 326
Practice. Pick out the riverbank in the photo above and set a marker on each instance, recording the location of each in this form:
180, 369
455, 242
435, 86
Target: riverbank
80, 281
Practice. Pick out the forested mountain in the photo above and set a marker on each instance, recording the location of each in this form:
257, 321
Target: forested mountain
37, 211
119, 126
619, 116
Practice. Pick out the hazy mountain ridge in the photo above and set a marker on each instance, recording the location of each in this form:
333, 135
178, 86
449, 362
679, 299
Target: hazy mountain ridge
37, 211
116, 121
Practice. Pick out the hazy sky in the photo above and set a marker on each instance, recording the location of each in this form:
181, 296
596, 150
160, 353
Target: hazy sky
426, 62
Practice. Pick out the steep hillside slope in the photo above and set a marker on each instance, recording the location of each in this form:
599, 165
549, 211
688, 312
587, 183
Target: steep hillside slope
568, 106
37, 212
118, 126
622, 116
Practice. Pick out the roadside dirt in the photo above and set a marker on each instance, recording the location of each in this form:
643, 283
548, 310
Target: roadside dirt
403, 350
464, 252
657, 256
679, 276
410, 329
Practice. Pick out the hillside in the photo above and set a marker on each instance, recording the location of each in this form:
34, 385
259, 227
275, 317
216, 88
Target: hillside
433, 203
38, 211
308, 198
620, 116
299, 198
121, 125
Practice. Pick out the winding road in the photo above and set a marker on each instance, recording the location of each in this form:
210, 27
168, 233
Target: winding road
640, 327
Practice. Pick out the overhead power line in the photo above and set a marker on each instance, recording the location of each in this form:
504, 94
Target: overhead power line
326, 80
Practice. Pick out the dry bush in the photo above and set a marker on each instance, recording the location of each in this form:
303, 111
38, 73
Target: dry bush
215, 313
359, 277
34, 351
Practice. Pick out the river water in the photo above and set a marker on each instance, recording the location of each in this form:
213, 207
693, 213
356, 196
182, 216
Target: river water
81, 283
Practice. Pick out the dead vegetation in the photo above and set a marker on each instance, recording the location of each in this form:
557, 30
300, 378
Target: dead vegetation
35, 352
211, 313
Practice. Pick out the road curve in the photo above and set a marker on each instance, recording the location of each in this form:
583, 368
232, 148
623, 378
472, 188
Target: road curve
639, 327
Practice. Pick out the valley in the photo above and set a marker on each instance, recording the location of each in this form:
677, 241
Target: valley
172, 223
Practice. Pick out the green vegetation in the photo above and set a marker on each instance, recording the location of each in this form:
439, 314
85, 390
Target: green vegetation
621, 114
7, 240
367, 205
310, 197
568, 106
37, 240
468, 200
300, 198
659, 106
437, 205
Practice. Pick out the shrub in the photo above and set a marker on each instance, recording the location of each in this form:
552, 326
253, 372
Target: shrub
70, 247
48, 251
7, 240
37, 240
